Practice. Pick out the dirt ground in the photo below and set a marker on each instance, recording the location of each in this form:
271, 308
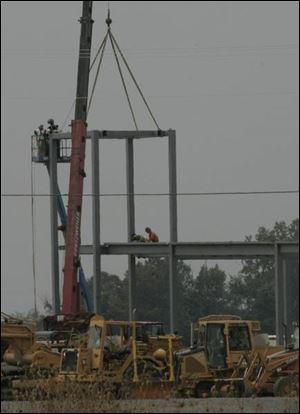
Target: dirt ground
210, 405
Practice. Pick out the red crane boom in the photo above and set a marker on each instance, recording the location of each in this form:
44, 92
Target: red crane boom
71, 291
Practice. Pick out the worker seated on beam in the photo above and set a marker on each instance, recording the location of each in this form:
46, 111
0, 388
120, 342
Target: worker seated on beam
152, 236
138, 238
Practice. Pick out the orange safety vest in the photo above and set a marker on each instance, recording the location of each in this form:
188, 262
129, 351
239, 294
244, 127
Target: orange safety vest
153, 237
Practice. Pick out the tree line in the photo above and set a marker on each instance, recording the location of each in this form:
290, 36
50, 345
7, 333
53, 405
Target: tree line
249, 293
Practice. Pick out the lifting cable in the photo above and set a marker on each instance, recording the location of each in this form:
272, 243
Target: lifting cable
98, 69
116, 48
122, 78
63, 124
33, 230
135, 82
99, 50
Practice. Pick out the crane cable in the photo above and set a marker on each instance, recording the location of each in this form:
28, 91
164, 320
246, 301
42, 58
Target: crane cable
135, 82
98, 51
103, 44
33, 230
123, 80
116, 48
63, 124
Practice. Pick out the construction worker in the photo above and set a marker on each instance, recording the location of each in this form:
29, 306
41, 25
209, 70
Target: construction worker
52, 127
152, 236
41, 140
41, 129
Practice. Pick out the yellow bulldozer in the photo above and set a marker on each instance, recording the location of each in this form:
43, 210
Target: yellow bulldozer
27, 353
127, 355
231, 357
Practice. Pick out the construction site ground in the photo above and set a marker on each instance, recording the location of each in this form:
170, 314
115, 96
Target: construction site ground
192, 405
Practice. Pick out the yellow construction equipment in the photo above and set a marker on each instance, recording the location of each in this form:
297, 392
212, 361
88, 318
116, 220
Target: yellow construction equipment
127, 355
231, 357
228, 356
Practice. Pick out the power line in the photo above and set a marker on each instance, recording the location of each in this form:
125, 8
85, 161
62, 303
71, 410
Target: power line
219, 193
184, 52
162, 49
208, 94
174, 56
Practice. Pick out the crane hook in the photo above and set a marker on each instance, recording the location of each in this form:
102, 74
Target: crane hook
108, 20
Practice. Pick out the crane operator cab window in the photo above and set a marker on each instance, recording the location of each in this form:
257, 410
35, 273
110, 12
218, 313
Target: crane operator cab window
94, 336
143, 332
239, 339
198, 337
156, 330
215, 346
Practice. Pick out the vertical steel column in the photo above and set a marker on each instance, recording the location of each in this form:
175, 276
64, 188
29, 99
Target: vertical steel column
172, 185
130, 223
284, 291
286, 301
96, 224
172, 276
173, 225
53, 223
279, 312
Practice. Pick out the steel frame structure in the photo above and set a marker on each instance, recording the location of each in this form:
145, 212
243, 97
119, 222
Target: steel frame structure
174, 250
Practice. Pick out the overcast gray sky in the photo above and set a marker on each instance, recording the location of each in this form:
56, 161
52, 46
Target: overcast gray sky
225, 75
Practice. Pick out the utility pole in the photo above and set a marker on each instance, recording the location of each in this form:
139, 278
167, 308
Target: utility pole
71, 290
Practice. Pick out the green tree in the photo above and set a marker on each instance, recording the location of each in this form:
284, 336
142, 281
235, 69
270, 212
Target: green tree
209, 295
152, 299
194, 297
152, 293
251, 292
114, 296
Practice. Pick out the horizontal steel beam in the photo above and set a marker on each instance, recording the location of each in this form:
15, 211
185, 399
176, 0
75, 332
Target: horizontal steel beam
287, 248
228, 250
137, 249
116, 134
197, 250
